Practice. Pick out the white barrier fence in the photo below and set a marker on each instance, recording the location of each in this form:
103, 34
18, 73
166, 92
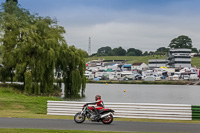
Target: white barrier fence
127, 110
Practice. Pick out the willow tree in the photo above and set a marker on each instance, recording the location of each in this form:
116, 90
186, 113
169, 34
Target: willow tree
71, 64
31, 45
9, 35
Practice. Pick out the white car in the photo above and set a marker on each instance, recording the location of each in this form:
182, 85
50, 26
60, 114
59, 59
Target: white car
149, 78
158, 78
186, 77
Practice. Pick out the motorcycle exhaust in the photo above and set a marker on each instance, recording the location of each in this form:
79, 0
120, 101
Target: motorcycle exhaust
105, 115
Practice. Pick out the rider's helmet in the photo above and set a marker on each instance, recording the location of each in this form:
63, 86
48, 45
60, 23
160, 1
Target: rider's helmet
97, 97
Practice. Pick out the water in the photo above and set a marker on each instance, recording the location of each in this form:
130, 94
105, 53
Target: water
166, 94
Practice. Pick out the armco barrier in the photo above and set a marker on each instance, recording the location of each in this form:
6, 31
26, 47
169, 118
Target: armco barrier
131, 110
195, 112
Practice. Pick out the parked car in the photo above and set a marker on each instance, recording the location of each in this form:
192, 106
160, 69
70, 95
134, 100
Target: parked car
149, 78
158, 78
194, 77
138, 77
186, 77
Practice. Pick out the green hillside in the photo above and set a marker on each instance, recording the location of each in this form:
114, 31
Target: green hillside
132, 59
196, 61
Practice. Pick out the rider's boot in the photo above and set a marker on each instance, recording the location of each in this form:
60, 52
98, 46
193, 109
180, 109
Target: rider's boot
97, 113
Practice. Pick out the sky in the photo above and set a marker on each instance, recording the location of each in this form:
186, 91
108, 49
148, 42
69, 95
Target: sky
141, 24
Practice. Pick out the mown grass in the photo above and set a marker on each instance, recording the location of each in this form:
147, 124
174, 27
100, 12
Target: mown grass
54, 131
195, 61
15, 104
130, 59
133, 59
163, 82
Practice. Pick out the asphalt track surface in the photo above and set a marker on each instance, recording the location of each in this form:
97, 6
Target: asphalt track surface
93, 126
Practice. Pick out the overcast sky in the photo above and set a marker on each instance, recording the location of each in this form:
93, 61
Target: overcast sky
141, 24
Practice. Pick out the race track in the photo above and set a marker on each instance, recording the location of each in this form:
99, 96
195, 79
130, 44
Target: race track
87, 125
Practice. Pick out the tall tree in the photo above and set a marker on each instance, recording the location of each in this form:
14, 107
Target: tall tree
181, 42
32, 46
133, 52
162, 51
104, 50
145, 53
71, 65
8, 26
194, 50
16, 1
119, 51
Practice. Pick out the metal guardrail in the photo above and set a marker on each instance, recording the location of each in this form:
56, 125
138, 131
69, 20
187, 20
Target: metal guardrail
127, 110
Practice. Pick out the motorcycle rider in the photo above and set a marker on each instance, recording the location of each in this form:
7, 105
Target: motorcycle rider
99, 103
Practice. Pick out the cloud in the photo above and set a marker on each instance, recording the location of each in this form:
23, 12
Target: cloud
146, 32
141, 24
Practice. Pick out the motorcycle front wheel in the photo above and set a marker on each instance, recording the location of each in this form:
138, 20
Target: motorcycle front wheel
79, 118
108, 119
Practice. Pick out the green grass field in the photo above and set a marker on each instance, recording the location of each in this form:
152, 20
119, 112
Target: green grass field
15, 104
130, 59
196, 61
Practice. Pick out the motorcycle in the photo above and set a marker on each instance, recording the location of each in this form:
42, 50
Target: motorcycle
106, 115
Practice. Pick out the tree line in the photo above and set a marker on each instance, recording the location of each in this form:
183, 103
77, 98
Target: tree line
179, 42
35, 52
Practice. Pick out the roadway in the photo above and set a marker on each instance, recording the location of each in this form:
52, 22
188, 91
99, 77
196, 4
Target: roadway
126, 126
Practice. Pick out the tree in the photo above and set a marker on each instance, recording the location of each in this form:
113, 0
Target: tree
145, 53
12, 1
104, 51
9, 32
194, 50
151, 53
85, 54
31, 46
181, 42
162, 51
119, 51
71, 65
134, 52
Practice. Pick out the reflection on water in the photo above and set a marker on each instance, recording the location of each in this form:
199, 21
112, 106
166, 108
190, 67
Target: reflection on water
166, 94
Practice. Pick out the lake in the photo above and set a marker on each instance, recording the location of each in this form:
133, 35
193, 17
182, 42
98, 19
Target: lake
166, 94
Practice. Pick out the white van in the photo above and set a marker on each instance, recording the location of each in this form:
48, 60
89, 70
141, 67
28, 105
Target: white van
194, 77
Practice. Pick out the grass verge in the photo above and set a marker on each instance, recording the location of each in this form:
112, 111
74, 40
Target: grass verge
54, 131
164, 82
14, 103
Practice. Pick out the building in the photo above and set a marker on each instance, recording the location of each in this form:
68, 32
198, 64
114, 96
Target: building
139, 66
156, 63
180, 58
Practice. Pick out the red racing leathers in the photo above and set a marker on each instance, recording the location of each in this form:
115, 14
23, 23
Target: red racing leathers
100, 105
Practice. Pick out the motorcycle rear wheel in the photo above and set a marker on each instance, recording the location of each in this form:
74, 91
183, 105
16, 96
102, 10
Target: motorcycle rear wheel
108, 119
79, 118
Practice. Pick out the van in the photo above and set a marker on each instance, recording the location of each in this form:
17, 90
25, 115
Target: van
194, 77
